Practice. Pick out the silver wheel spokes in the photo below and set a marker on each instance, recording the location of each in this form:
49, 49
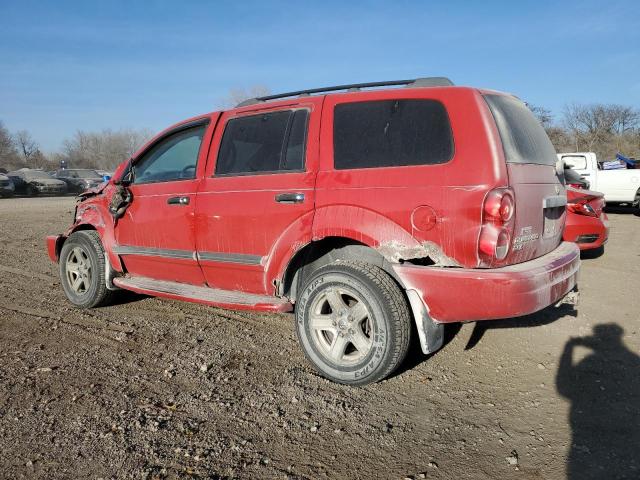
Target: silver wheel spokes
341, 325
78, 269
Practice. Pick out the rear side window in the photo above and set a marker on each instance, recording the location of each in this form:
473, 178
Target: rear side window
265, 143
523, 138
391, 133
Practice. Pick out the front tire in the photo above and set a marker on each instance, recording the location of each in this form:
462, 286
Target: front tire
353, 323
82, 270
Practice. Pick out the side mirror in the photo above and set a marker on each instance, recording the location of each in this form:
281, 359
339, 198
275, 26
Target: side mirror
126, 175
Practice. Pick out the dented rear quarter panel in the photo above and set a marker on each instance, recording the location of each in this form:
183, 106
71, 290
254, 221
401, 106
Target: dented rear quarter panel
407, 207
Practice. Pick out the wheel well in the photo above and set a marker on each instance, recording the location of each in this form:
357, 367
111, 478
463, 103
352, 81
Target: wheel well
322, 252
82, 226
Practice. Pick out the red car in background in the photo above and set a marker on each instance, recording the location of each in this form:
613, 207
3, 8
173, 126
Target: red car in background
587, 224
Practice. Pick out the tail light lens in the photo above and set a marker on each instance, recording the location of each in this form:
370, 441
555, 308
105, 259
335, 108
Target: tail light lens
582, 208
497, 226
507, 207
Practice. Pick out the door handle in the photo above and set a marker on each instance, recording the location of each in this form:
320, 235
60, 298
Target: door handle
178, 201
290, 197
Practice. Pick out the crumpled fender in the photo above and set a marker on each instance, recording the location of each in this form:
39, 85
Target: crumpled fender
92, 211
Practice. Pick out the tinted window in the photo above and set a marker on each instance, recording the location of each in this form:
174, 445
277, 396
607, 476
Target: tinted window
294, 155
173, 158
66, 173
391, 133
268, 142
523, 138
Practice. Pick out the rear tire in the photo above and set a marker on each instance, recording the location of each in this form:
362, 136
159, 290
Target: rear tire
82, 270
353, 322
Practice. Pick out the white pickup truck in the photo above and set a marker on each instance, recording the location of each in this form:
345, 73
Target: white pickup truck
618, 186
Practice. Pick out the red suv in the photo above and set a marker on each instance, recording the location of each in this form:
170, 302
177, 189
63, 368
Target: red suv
360, 209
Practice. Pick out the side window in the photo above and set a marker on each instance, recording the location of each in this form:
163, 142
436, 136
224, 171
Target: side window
391, 133
173, 158
264, 143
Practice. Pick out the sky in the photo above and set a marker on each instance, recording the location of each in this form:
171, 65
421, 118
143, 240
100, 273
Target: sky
91, 65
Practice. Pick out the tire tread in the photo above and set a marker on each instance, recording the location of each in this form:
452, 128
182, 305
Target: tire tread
391, 296
103, 295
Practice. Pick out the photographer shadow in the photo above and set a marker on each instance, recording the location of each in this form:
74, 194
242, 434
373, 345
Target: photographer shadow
604, 391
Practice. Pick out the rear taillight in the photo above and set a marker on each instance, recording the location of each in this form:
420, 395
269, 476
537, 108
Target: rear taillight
582, 207
497, 226
575, 185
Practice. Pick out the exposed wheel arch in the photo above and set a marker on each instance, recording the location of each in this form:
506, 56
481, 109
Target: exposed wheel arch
83, 263
318, 253
61, 240
110, 272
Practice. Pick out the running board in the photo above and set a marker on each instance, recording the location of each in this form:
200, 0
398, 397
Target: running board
209, 296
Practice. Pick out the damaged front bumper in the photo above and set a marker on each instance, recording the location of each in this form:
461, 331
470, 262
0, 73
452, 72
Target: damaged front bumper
54, 243
470, 294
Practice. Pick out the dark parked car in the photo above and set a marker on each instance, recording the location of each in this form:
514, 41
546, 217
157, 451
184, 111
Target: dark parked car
36, 182
79, 179
6, 186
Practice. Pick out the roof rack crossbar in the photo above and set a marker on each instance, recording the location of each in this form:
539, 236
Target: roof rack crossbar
417, 82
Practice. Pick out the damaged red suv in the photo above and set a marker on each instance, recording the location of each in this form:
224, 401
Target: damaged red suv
360, 209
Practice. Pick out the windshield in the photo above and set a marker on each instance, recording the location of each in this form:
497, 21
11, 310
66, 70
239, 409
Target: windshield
36, 174
523, 138
79, 174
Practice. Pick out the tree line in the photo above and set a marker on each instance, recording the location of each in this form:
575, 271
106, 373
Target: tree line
102, 150
602, 128
606, 129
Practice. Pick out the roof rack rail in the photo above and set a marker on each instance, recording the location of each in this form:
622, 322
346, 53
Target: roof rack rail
416, 82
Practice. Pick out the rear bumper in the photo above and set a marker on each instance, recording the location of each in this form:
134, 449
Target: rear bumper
461, 294
587, 232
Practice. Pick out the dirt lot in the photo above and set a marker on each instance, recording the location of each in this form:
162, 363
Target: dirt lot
155, 388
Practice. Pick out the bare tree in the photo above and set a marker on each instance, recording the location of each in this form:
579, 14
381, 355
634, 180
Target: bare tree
9, 158
544, 115
625, 118
102, 150
237, 95
589, 124
27, 146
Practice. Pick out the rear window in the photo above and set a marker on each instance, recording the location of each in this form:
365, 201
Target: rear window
575, 161
523, 138
391, 133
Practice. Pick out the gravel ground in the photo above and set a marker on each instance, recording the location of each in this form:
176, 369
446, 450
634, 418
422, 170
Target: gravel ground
153, 388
